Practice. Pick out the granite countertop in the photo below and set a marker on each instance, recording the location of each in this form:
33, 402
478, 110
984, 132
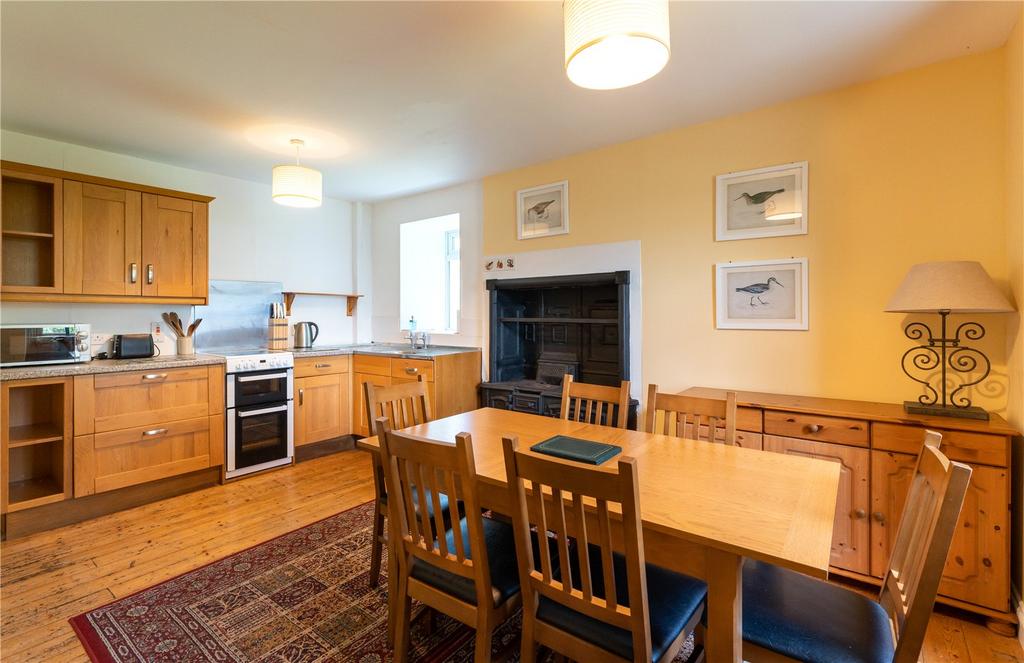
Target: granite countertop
108, 366
183, 361
382, 349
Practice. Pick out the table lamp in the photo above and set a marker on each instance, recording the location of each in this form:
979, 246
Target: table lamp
961, 286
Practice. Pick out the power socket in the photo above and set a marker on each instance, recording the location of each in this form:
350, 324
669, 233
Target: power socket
163, 341
100, 343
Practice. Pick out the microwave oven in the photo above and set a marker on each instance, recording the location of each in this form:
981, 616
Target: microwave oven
31, 345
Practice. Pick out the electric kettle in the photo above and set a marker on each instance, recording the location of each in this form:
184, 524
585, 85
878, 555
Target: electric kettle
305, 334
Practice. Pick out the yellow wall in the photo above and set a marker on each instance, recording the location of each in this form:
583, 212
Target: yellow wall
1014, 63
905, 169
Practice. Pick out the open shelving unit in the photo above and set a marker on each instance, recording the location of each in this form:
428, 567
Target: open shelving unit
350, 300
36, 442
30, 233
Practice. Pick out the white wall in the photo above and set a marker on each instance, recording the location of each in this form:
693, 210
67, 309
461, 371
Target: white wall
465, 200
251, 238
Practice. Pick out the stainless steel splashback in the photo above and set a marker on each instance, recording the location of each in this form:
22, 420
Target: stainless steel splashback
236, 315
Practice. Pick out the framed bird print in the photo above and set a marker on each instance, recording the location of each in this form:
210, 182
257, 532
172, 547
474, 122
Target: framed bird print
542, 211
763, 294
765, 202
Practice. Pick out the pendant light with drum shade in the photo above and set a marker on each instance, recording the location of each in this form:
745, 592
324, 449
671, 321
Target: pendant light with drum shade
612, 44
296, 185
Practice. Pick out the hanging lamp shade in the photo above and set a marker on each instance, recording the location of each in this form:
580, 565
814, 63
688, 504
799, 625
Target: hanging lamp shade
297, 186
613, 44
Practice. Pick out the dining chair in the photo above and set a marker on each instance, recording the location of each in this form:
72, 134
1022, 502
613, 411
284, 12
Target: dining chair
789, 616
403, 405
598, 605
467, 572
708, 419
595, 403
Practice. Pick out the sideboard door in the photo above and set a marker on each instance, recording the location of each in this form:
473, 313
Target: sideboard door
851, 534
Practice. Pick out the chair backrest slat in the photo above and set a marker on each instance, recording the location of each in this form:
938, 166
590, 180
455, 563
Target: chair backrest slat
416, 471
922, 542
594, 403
689, 416
403, 405
569, 500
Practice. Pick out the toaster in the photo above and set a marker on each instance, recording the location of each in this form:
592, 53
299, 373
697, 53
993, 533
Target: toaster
133, 346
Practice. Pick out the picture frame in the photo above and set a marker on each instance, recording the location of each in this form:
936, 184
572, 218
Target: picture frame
762, 294
543, 211
763, 202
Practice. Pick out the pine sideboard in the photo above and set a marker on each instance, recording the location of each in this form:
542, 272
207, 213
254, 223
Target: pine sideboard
877, 445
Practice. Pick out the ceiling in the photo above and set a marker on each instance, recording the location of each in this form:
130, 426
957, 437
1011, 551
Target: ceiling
397, 98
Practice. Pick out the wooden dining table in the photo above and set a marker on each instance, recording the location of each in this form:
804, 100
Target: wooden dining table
705, 507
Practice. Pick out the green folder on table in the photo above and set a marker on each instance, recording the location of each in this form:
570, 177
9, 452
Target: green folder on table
573, 448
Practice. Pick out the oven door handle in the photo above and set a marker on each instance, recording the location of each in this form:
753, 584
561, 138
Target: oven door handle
256, 378
266, 410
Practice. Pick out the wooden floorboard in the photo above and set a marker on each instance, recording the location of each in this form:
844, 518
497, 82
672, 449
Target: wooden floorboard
48, 577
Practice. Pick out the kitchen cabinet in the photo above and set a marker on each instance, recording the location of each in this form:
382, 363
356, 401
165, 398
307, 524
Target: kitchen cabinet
102, 239
78, 238
881, 441
30, 232
133, 428
851, 534
174, 251
322, 400
452, 381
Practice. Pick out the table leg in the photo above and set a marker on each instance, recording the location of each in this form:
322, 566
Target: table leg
724, 641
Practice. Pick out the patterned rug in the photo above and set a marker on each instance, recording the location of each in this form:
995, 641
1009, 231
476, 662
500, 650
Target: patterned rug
300, 598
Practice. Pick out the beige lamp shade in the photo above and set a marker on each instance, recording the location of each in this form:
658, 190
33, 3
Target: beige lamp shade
960, 286
613, 44
297, 186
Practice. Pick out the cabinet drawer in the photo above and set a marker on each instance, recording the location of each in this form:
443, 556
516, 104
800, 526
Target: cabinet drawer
749, 418
310, 366
145, 398
108, 461
371, 364
744, 439
957, 445
412, 368
816, 427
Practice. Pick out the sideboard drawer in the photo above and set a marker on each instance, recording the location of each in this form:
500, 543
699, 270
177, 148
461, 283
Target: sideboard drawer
817, 427
957, 445
749, 418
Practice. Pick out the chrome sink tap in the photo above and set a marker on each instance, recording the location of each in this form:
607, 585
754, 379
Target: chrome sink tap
418, 340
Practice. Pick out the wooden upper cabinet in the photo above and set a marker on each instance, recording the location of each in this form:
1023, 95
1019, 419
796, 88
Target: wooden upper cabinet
174, 247
31, 229
74, 237
102, 239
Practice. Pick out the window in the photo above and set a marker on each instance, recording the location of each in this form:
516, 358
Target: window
430, 274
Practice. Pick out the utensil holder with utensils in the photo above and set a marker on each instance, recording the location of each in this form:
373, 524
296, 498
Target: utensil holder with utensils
185, 343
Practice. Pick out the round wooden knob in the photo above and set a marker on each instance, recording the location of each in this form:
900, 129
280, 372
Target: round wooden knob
878, 516
813, 428
860, 514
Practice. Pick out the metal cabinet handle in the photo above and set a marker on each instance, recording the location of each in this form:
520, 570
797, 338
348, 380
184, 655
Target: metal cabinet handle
302, 392
860, 514
133, 272
155, 432
878, 516
813, 428
412, 371
321, 365
150, 274
154, 376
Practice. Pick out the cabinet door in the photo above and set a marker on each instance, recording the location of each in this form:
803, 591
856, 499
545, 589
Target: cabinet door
977, 569
851, 533
322, 408
102, 240
174, 247
362, 425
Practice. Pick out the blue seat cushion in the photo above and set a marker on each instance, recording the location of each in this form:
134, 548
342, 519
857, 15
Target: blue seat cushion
812, 620
430, 505
501, 556
673, 599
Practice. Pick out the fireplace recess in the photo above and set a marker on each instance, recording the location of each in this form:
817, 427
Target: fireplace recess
544, 327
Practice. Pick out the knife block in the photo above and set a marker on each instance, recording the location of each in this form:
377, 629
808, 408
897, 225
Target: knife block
277, 334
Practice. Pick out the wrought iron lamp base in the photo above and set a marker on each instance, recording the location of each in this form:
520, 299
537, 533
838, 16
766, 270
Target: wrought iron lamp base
972, 412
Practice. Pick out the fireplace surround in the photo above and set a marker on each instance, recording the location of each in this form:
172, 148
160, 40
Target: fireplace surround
544, 327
